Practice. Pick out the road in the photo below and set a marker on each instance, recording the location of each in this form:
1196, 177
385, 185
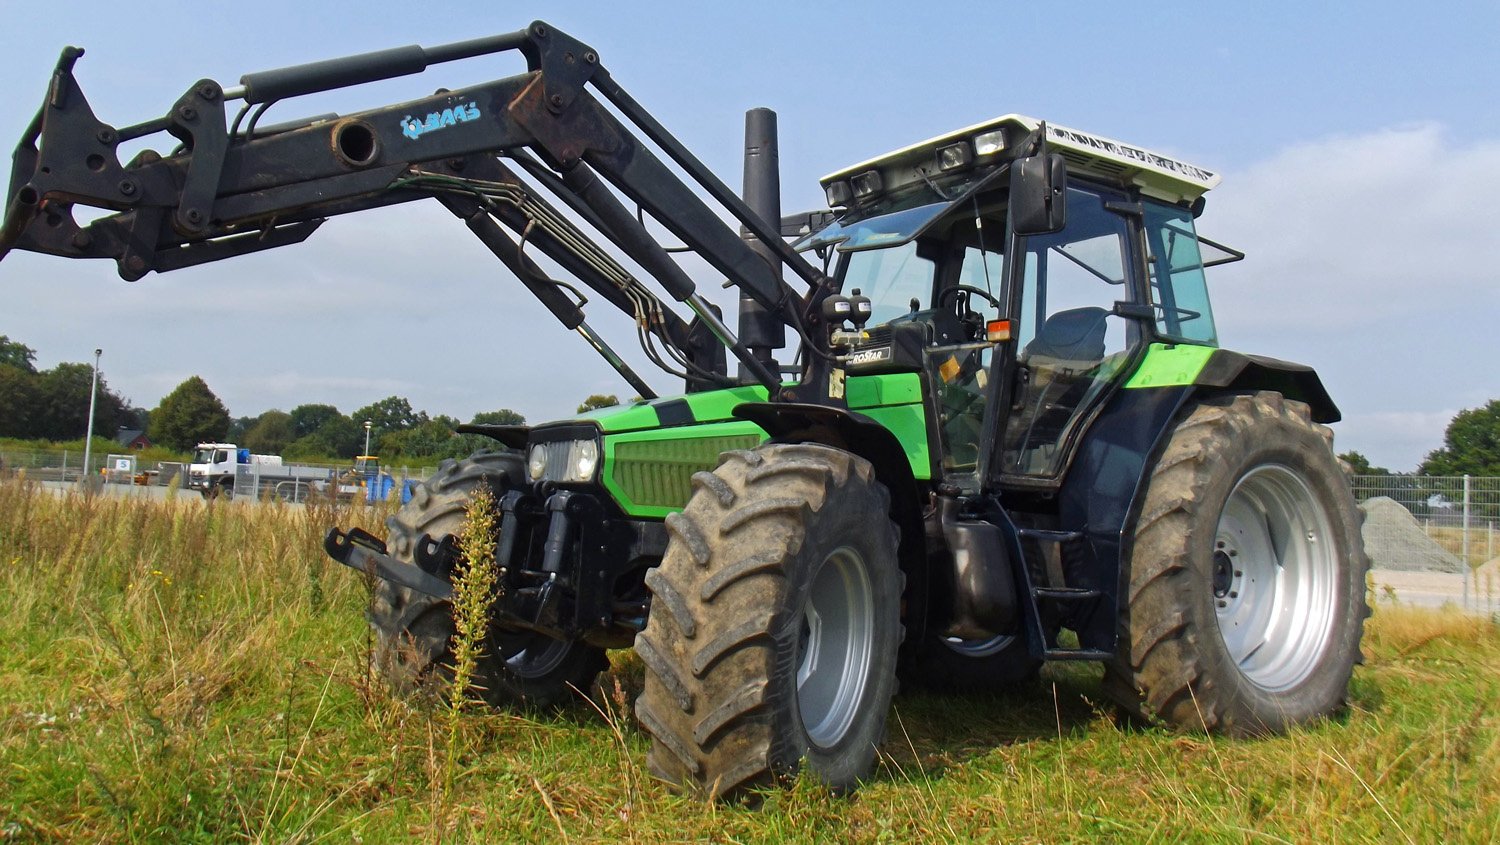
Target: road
1434, 589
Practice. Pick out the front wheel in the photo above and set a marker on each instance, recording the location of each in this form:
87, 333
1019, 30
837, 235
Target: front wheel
774, 625
1246, 599
414, 632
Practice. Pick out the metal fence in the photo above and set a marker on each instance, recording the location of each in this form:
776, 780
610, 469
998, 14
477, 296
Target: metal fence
67, 465
1435, 525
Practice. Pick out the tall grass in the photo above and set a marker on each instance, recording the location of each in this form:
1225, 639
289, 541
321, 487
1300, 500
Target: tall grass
188, 672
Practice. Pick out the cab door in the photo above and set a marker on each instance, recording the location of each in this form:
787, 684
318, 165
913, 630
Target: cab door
1070, 344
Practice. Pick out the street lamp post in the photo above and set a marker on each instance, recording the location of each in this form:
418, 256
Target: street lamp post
367, 437
88, 440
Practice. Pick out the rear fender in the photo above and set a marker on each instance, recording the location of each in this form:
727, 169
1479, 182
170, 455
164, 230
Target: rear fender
1235, 371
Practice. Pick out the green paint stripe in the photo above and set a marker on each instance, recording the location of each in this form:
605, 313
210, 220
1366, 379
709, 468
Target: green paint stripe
1171, 365
874, 391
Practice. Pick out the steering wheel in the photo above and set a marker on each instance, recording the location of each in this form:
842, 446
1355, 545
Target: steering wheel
982, 294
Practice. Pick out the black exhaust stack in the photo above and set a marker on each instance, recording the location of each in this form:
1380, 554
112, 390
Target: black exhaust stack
761, 330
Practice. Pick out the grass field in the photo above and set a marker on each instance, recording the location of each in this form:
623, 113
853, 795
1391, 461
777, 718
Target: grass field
177, 672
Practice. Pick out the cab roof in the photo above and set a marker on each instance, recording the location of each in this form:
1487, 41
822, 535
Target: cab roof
1088, 154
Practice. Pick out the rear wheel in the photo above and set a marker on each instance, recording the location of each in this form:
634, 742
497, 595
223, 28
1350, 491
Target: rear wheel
414, 632
774, 625
1246, 598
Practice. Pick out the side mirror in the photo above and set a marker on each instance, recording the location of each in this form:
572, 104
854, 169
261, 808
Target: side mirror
1038, 194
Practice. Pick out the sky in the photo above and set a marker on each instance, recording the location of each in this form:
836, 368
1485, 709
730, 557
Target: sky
1359, 146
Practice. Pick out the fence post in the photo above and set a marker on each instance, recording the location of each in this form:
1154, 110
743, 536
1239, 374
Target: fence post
1468, 570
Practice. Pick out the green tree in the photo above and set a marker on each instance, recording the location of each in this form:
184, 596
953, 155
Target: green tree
392, 413
17, 355
237, 428
504, 416
1360, 465
1471, 444
307, 419
597, 401
464, 445
62, 403
424, 440
18, 402
189, 415
271, 433
337, 437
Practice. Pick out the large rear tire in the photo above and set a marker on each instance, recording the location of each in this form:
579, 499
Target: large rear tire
1246, 599
414, 632
774, 625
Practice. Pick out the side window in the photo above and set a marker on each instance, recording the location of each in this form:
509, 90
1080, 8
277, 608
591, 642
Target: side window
1179, 289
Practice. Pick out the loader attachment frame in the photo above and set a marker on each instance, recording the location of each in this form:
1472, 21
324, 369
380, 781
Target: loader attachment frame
227, 191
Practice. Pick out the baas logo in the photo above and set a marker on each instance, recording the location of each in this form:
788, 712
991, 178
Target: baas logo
414, 128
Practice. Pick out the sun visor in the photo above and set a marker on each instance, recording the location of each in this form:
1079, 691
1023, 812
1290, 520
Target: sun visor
901, 218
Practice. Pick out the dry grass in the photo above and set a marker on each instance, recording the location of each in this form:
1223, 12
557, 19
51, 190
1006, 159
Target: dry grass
179, 672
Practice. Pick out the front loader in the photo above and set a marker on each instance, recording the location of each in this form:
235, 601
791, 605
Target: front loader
1007, 435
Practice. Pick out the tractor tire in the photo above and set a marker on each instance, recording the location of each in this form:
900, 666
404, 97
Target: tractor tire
414, 631
775, 624
995, 665
1246, 580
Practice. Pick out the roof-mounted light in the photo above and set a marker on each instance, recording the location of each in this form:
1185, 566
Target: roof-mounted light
989, 143
838, 194
867, 184
955, 156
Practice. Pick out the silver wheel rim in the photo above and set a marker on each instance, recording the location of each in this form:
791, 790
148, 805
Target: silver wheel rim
835, 640
979, 648
1274, 577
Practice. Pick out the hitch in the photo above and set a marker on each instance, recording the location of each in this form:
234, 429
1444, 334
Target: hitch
361, 550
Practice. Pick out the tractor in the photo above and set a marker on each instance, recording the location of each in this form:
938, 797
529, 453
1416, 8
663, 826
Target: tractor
1005, 433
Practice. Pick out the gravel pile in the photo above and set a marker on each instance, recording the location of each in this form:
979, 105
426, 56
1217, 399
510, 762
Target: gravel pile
1394, 539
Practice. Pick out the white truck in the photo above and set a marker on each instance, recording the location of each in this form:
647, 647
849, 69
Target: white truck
224, 469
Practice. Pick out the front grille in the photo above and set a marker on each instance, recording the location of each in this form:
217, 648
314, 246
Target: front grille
658, 473
560, 456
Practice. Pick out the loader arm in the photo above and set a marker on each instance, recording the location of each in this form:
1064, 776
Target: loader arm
227, 191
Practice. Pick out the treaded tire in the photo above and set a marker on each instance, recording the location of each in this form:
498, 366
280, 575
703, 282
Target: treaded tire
973, 667
413, 631
730, 623
1194, 610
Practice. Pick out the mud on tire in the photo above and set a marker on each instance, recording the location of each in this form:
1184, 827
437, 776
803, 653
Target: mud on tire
774, 624
1246, 581
413, 631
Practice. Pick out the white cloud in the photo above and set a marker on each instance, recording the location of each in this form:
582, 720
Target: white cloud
1374, 259
1351, 230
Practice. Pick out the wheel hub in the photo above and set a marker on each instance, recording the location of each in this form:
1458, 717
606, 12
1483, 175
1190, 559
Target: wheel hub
835, 645
1274, 577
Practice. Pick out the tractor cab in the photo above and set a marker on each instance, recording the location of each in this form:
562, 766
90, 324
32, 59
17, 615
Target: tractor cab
1021, 323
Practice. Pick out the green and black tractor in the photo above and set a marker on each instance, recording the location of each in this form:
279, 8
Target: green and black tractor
1005, 433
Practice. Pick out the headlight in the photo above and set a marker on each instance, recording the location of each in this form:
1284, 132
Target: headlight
585, 460
568, 461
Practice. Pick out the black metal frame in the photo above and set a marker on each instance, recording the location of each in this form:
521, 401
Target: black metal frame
224, 194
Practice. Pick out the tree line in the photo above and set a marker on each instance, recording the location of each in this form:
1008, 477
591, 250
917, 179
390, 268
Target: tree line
53, 405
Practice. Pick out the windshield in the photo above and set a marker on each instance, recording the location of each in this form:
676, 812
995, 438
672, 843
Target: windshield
902, 279
892, 278
203, 456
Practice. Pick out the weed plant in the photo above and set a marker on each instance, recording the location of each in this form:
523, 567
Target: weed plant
184, 671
